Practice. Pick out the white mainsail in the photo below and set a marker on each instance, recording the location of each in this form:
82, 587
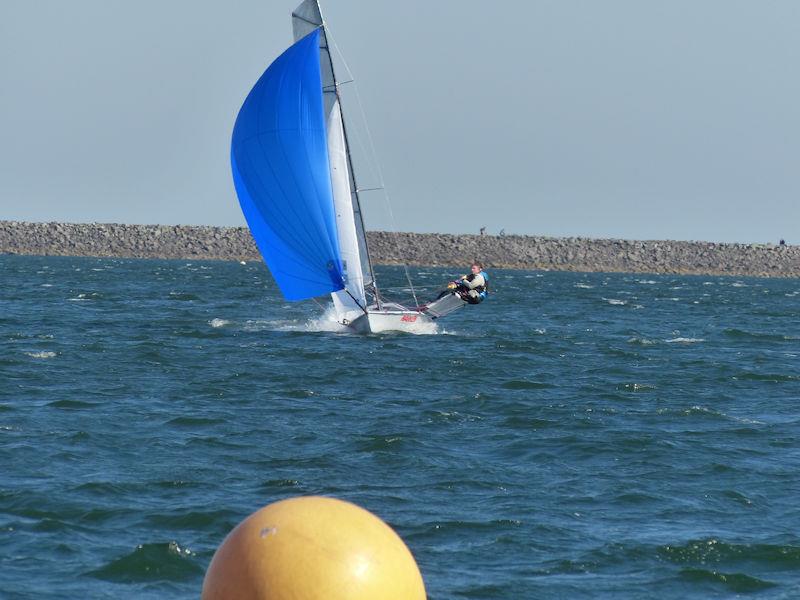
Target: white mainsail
352, 298
349, 222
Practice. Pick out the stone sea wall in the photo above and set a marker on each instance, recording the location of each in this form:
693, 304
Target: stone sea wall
512, 251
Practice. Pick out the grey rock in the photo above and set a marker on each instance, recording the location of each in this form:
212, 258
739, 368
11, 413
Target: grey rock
447, 250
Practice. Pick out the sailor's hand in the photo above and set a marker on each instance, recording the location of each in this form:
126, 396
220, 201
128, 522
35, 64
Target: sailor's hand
452, 285
463, 278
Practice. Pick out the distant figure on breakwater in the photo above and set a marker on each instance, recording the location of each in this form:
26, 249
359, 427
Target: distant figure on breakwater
782, 242
483, 230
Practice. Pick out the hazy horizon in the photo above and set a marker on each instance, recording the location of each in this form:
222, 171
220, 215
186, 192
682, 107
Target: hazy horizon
620, 120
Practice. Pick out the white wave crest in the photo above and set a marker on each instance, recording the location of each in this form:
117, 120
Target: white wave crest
642, 341
326, 322
615, 301
41, 354
219, 322
85, 297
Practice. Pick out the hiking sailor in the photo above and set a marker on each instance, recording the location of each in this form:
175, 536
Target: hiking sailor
471, 288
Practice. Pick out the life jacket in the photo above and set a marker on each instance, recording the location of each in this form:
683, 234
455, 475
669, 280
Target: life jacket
483, 290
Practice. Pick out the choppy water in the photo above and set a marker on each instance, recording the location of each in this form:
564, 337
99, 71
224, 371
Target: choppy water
578, 436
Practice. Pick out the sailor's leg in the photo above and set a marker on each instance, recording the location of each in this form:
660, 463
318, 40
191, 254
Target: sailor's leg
472, 297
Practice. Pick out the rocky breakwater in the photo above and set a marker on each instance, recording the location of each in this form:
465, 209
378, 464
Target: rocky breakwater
127, 241
511, 251
588, 254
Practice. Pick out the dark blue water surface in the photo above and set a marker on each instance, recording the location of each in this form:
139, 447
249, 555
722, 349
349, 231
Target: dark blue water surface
576, 436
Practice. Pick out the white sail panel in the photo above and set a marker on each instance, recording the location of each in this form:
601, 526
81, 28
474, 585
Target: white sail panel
345, 224
305, 19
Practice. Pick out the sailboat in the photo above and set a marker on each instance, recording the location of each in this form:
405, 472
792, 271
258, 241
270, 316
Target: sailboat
293, 173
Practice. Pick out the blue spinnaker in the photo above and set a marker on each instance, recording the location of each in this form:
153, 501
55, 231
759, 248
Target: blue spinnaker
279, 158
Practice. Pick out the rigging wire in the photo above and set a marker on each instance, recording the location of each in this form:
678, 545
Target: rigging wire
374, 156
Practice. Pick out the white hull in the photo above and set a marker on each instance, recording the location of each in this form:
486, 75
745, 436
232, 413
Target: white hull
396, 317
377, 321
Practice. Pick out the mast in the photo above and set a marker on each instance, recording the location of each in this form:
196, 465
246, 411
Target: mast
359, 215
305, 18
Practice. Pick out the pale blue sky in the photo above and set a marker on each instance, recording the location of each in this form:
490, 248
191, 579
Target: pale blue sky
621, 118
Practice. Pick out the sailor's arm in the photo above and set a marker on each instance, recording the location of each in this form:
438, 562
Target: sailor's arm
477, 281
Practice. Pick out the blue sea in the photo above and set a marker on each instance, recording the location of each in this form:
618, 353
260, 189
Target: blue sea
574, 436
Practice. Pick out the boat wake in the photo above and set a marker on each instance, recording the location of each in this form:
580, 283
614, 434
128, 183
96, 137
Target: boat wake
327, 322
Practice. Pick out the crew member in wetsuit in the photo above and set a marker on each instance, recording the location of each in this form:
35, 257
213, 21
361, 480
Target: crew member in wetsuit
472, 288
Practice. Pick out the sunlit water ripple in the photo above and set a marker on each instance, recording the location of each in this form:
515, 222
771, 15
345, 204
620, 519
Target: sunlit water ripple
577, 436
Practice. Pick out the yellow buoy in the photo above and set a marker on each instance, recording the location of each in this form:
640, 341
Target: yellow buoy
313, 548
